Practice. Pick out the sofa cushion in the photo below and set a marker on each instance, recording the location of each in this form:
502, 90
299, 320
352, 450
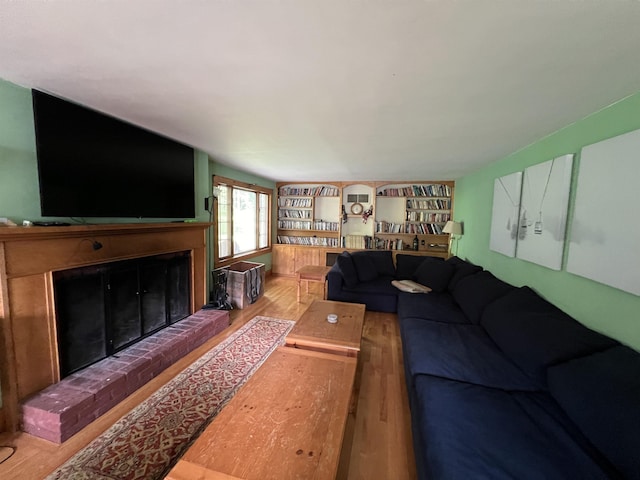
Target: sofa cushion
365, 268
438, 307
474, 292
348, 269
434, 274
455, 260
462, 269
382, 260
536, 339
406, 265
378, 295
601, 394
474, 432
459, 352
379, 285
517, 301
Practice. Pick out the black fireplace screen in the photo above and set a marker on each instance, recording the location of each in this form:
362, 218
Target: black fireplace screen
103, 309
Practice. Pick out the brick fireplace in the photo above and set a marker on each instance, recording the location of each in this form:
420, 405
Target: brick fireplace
29, 257
64, 408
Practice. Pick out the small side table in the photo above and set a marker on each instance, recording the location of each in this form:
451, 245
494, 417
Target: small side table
313, 273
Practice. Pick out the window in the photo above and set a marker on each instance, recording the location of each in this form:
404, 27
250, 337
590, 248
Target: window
242, 220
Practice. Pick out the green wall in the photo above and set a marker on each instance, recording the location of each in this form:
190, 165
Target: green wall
19, 196
598, 306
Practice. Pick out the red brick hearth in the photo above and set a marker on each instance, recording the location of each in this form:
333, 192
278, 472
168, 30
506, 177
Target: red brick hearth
63, 409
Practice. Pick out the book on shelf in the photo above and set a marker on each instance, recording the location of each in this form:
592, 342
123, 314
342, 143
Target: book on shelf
295, 202
294, 225
328, 226
311, 241
424, 228
427, 190
282, 213
320, 191
432, 204
429, 217
389, 244
389, 227
357, 242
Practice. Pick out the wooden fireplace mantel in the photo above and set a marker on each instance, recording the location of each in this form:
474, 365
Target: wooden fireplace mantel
28, 258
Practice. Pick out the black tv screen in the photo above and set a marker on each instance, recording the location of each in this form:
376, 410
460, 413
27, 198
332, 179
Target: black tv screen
94, 165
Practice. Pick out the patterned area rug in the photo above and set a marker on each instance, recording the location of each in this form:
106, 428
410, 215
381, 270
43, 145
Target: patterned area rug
148, 441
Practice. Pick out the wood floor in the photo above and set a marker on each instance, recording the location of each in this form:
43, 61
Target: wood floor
379, 433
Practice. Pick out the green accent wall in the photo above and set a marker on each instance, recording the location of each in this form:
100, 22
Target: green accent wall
600, 307
19, 196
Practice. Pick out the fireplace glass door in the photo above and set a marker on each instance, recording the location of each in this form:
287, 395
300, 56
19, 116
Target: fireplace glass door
101, 310
80, 295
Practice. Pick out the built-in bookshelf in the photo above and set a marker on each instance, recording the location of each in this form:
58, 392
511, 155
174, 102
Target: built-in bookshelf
337, 215
308, 215
410, 213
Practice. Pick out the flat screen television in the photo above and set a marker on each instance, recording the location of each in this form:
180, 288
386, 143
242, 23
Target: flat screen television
94, 165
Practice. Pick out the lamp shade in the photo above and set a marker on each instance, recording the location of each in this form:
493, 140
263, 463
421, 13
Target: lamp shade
454, 228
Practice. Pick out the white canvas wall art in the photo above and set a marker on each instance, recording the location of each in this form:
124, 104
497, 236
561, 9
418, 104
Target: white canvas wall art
604, 230
543, 212
504, 216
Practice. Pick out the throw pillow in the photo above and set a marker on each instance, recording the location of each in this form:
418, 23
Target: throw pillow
348, 269
474, 292
534, 341
365, 267
382, 259
462, 269
408, 264
410, 286
434, 274
601, 394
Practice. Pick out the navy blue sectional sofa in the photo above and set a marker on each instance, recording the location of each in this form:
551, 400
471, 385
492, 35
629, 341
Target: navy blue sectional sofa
364, 277
504, 385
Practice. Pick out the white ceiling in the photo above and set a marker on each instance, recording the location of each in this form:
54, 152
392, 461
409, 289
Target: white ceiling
332, 89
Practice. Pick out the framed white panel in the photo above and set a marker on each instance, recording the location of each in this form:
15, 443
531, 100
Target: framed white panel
391, 209
543, 212
604, 230
327, 209
504, 217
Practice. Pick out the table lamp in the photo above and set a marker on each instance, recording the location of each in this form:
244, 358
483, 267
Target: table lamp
453, 228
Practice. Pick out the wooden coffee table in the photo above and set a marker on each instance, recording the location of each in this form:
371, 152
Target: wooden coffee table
313, 273
287, 421
312, 331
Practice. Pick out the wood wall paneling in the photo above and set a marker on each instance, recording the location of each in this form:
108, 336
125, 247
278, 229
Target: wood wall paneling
9, 409
35, 356
34, 256
282, 260
308, 256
